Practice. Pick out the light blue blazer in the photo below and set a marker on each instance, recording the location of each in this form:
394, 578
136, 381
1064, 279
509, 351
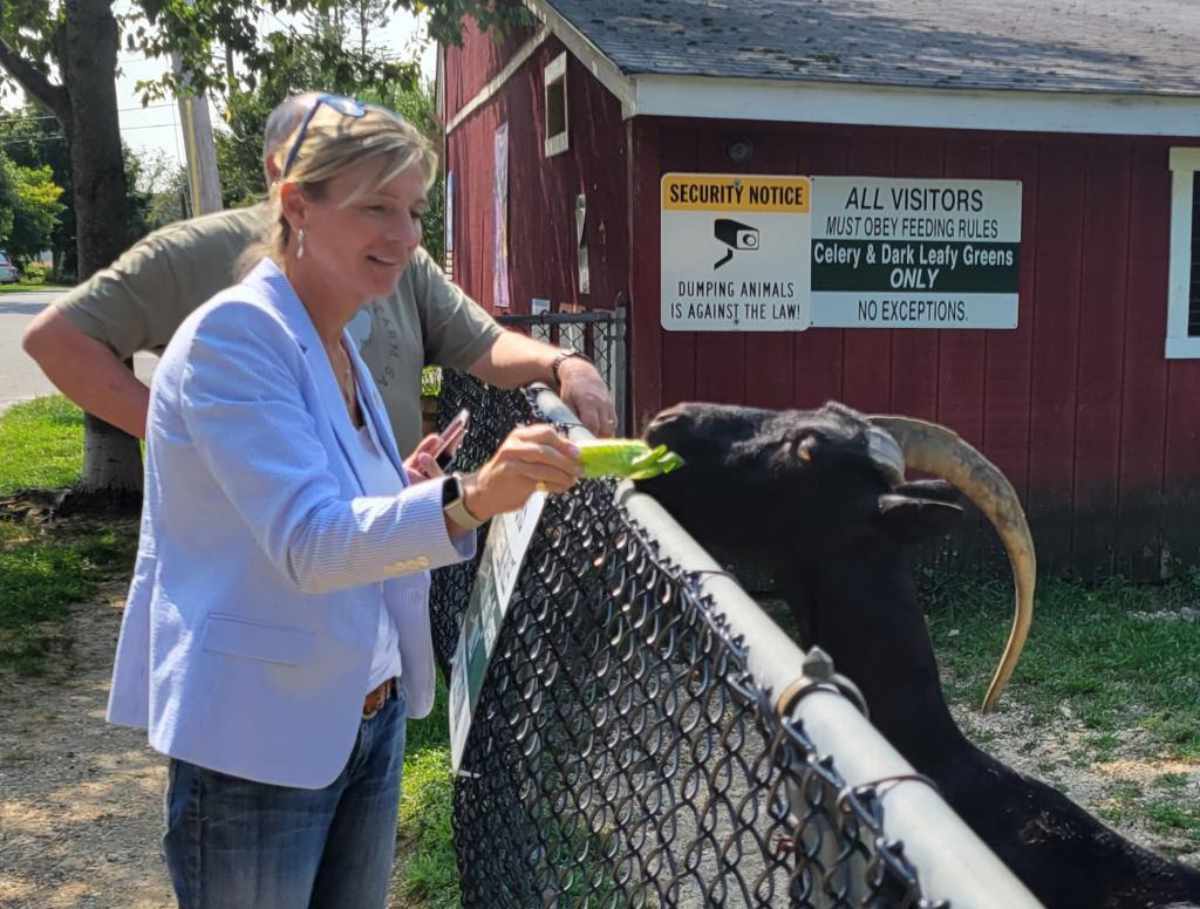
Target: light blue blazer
253, 610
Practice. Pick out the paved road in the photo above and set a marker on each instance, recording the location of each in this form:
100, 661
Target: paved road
20, 377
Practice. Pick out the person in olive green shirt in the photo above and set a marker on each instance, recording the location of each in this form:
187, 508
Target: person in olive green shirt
137, 303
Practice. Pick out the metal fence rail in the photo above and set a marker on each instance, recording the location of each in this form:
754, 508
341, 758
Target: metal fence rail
632, 748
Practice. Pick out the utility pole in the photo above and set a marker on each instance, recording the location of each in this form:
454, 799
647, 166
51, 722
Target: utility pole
203, 179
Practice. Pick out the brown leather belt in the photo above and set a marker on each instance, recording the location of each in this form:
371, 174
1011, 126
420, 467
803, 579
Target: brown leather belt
377, 697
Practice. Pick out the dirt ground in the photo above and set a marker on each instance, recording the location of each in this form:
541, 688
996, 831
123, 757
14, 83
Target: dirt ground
81, 801
81, 809
1054, 757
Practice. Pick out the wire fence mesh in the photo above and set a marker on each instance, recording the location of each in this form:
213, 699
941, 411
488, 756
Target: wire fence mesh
599, 333
621, 753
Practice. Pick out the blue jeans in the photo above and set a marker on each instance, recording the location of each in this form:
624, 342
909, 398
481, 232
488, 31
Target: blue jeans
235, 844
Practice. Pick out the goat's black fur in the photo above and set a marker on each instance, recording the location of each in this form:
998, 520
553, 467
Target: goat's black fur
834, 535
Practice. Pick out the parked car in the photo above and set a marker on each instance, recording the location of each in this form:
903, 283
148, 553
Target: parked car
9, 274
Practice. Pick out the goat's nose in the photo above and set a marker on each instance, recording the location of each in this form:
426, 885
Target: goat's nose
663, 422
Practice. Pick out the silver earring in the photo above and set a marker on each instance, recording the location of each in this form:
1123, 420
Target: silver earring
300, 244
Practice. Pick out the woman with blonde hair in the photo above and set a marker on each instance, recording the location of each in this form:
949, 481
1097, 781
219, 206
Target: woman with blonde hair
277, 634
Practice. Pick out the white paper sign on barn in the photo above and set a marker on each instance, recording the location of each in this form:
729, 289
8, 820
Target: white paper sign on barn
734, 252
762, 253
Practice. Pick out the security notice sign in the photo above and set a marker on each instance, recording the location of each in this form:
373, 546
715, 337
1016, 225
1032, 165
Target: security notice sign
735, 252
915, 253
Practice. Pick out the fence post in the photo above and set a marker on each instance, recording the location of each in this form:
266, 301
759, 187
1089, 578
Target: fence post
619, 361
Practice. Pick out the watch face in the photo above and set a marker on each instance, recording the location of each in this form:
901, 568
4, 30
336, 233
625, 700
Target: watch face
451, 491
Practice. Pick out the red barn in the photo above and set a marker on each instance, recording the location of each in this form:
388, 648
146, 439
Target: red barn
1014, 255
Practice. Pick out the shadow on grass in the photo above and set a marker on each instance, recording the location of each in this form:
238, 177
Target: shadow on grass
43, 570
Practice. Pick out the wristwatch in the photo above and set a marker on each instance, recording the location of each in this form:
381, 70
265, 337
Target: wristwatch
454, 504
563, 357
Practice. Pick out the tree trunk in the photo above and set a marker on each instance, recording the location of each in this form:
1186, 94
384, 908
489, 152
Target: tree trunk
112, 459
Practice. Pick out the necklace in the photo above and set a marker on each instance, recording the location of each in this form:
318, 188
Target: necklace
344, 374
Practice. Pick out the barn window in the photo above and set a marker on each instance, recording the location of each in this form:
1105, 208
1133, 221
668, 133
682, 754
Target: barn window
556, 105
1183, 313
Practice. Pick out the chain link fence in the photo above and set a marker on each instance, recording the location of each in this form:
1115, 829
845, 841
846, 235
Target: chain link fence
628, 749
599, 333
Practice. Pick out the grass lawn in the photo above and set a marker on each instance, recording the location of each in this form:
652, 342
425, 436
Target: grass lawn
43, 572
23, 288
45, 568
1107, 693
41, 445
426, 836
1115, 656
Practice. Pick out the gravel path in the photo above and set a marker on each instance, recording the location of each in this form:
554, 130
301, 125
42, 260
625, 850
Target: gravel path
80, 810
80, 800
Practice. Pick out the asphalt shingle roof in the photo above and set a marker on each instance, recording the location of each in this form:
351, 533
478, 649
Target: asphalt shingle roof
1122, 46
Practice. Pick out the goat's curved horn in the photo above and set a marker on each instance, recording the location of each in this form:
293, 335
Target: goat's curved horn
937, 450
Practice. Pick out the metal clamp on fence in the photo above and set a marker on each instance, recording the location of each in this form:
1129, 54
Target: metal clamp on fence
626, 748
818, 674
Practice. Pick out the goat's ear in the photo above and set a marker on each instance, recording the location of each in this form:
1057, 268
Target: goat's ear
908, 519
939, 490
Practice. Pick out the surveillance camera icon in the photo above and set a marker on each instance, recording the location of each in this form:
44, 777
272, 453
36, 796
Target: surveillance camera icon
735, 235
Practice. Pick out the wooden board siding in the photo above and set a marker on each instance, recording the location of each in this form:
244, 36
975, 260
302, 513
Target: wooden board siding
1141, 441
1078, 404
542, 256
480, 58
645, 338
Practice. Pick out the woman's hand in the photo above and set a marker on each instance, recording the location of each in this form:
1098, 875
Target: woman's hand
421, 465
531, 458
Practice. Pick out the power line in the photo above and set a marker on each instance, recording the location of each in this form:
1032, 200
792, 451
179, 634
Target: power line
56, 137
51, 138
10, 117
145, 106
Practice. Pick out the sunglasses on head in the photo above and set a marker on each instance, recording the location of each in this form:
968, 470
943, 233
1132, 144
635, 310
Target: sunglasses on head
347, 107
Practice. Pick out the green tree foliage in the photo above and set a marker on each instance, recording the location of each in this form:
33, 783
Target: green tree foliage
33, 137
333, 55
38, 205
64, 55
161, 189
192, 28
299, 62
418, 106
8, 197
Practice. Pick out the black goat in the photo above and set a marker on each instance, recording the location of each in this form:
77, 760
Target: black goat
819, 496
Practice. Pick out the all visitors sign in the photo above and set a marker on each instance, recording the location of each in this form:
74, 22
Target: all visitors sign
764, 253
915, 253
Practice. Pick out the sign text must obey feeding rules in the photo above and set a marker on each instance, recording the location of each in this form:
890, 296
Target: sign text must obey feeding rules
915, 253
735, 252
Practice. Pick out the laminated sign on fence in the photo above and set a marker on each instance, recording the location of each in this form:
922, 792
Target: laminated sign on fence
499, 568
735, 252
